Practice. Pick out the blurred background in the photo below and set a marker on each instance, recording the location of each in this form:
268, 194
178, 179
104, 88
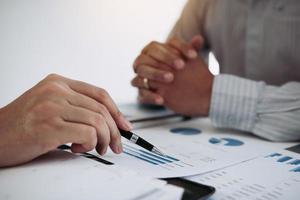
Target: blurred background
95, 41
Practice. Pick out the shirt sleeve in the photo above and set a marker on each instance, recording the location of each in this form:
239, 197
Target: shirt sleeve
267, 111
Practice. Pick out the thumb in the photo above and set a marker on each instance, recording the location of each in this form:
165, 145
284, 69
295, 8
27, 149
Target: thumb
197, 42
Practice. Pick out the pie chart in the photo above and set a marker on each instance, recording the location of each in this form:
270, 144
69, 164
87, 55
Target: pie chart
226, 141
185, 131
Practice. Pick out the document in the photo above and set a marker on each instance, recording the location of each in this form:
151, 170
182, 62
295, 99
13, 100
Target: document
61, 175
274, 176
191, 147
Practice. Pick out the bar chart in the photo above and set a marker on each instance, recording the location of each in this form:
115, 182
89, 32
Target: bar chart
288, 160
294, 162
167, 162
284, 159
273, 155
189, 150
296, 169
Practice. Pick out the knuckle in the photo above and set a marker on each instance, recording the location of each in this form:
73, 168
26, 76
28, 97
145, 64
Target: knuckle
51, 88
90, 136
102, 109
150, 46
56, 124
139, 69
45, 108
153, 43
173, 39
99, 120
115, 137
138, 60
53, 76
102, 93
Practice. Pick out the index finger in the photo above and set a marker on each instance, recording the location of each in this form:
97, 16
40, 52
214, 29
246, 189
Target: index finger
183, 48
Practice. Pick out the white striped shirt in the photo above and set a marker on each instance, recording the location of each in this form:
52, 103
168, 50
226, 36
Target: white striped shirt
257, 43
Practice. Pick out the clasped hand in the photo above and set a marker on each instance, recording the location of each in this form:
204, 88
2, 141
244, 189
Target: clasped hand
176, 76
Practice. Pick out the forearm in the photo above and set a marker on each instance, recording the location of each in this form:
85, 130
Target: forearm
266, 111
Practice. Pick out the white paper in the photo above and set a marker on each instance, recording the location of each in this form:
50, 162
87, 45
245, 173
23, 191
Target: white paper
272, 176
168, 192
61, 175
196, 153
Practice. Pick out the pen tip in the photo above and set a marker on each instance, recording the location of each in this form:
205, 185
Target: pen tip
157, 151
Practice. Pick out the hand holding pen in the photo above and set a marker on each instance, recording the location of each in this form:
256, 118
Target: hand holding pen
140, 142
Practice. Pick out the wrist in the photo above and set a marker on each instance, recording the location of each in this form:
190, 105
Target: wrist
2, 119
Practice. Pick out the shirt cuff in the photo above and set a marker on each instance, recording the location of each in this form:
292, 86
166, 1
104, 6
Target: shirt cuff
234, 102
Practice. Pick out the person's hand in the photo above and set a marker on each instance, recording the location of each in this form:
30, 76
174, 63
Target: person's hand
58, 111
158, 62
190, 91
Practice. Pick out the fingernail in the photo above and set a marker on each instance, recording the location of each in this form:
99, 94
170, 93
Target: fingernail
126, 123
192, 54
120, 148
168, 77
159, 101
179, 64
104, 151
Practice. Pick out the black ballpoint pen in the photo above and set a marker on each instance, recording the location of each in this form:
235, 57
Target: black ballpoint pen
140, 142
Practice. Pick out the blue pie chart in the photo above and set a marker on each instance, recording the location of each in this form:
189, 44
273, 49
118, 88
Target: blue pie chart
185, 131
226, 141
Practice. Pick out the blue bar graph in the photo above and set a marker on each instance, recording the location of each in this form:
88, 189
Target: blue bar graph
166, 158
287, 160
149, 157
296, 169
294, 162
140, 157
284, 159
273, 155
